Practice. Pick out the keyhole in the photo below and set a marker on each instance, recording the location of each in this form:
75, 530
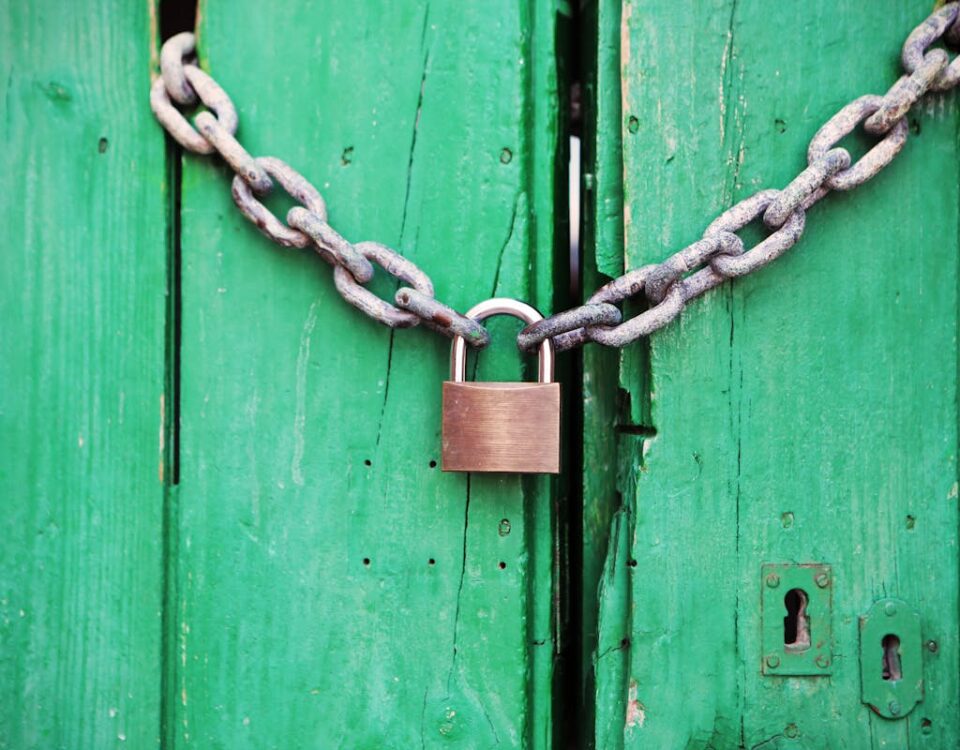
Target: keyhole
892, 669
796, 625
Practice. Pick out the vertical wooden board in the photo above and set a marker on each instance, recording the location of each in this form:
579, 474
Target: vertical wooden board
680, 684
807, 413
82, 312
864, 360
333, 587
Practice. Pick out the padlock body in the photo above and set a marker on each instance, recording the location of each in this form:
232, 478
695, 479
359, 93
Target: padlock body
507, 427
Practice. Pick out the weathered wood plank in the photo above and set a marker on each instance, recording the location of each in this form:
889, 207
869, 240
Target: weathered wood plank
82, 326
333, 587
807, 413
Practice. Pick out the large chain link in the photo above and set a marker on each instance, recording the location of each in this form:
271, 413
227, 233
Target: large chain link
667, 287
720, 255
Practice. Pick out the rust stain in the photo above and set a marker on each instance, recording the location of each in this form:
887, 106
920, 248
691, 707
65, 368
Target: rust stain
198, 27
163, 432
152, 8
636, 711
625, 36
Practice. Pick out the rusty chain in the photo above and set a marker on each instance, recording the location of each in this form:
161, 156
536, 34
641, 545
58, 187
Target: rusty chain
182, 83
721, 255
666, 287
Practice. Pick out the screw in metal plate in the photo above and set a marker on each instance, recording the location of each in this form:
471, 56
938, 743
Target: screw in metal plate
773, 661
773, 580
823, 661
933, 646
894, 708
822, 580
890, 609
792, 731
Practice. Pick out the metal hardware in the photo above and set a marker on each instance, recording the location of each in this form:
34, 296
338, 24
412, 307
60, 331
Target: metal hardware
501, 427
363, 299
209, 92
668, 286
796, 612
828, 169
891, 658
182, 83
296, 185
487, 309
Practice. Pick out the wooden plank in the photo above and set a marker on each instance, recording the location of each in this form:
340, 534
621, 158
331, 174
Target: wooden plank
82, 330
807, 413
333, 587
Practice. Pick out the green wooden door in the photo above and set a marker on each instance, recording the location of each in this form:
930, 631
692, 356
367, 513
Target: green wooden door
805, 414
225, 524
298, 572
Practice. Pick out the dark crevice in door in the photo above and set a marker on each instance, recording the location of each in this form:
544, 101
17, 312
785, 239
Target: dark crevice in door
892, 668
796, 625
605, 425
568, 724
174, 16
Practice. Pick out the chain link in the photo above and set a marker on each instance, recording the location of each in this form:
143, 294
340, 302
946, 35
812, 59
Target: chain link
332, 247
365, 300
441, 318
844, 123
940, 25
175, 51
209, 93
905, 93
667, 287
296, 186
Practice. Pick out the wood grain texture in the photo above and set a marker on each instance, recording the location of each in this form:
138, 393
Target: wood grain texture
807, 413
82, 335
333, 588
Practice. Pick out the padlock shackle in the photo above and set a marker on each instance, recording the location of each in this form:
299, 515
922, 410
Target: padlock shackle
501, 306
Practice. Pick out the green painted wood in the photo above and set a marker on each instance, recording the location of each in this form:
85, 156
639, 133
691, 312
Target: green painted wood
82, 331
805, 414
332, 587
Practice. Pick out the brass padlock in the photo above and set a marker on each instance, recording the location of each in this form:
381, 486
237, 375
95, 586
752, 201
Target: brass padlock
506, 427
